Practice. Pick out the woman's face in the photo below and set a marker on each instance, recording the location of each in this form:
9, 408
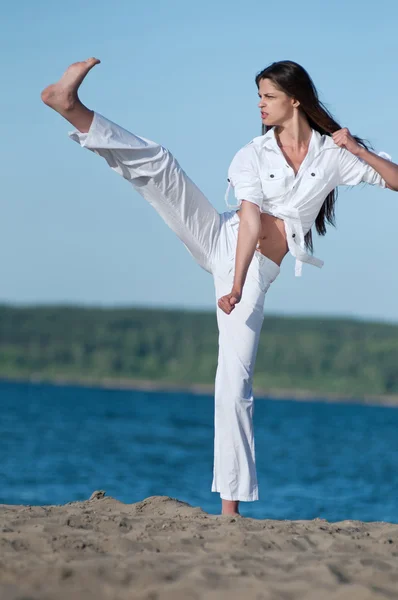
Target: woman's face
276, 107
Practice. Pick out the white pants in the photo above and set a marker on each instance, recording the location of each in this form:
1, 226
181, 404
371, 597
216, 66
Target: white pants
211, 238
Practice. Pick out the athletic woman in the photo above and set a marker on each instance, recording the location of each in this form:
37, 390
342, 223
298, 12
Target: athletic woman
284, 181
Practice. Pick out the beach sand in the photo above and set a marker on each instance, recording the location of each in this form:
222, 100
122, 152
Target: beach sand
164, 549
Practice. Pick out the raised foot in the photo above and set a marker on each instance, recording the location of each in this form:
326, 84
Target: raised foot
62, 96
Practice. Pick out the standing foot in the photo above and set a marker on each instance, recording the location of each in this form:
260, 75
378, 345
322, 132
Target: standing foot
230, 507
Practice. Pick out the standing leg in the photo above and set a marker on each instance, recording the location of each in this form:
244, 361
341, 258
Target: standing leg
234, 462
234, 475
149, 167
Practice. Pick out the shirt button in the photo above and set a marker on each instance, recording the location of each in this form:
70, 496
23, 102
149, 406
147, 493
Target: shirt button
271, 175
313, 174
293, 235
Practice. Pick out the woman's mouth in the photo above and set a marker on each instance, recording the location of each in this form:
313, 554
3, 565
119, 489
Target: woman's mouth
264, 115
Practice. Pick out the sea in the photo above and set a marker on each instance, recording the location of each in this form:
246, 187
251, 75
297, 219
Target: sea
58, 444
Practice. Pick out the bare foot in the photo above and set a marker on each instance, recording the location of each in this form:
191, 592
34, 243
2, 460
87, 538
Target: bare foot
230, 507
62, 96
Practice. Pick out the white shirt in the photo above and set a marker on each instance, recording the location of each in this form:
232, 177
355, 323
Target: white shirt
260, 174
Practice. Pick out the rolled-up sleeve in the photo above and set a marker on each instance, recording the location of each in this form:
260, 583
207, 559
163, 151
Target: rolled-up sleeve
244, 177
354, 170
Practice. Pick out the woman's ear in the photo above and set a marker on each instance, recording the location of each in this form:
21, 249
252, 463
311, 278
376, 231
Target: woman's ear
295, 103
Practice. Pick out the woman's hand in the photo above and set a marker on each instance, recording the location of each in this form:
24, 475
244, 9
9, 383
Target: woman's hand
344, 139
227, 303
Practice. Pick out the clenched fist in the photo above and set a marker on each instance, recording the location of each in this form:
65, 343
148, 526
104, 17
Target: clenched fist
227, 303
344, 139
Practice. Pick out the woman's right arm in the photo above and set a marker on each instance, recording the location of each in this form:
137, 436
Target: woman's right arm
248, 234
245, 177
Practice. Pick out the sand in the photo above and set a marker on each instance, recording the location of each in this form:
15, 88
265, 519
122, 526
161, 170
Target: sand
164, 549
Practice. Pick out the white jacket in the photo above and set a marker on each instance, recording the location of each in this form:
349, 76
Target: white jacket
259, 174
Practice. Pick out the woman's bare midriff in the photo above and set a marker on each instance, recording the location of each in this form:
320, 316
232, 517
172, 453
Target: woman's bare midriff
272, 242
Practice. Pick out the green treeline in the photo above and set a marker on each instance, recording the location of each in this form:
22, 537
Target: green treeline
322, 355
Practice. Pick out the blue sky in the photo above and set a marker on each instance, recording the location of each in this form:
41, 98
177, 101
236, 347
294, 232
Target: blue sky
182, 73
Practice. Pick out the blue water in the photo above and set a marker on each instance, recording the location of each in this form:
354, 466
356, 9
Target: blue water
59, 444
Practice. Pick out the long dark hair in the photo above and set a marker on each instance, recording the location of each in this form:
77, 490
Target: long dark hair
294, 80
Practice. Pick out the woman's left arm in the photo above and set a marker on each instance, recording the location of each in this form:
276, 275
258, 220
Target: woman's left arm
387, 169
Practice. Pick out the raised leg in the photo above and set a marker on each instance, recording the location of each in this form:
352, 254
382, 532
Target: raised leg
149, 167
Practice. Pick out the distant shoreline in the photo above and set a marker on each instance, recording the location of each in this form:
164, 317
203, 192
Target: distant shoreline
201, 388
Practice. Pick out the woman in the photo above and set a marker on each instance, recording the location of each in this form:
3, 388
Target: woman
284, 182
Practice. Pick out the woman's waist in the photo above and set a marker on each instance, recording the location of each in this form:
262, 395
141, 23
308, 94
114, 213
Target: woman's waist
272, 240
272, 227
285, 231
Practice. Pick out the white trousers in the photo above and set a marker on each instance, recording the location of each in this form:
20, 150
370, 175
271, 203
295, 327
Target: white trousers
211, 238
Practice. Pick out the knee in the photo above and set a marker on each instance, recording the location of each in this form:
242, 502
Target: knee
238, 392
